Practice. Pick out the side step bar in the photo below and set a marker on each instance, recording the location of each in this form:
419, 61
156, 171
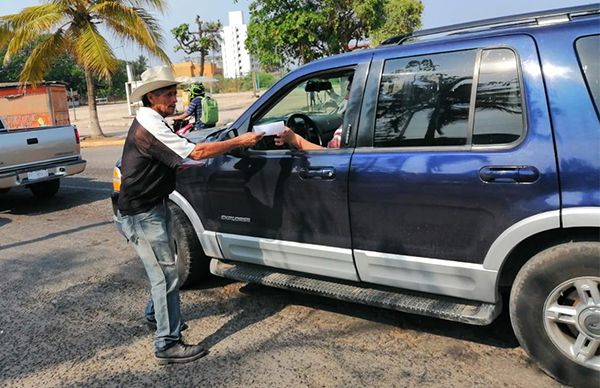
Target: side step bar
452, 309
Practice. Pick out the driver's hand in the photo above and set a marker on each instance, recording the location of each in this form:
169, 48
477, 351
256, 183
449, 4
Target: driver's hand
249, 139
286, 136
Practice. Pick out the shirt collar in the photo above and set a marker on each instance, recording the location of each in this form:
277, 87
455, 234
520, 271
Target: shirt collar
149, 113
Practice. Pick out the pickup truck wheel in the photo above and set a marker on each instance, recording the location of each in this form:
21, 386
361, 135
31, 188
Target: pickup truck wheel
555, 311
192, 263
45, 189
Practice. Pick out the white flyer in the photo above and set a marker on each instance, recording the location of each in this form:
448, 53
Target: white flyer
270, 129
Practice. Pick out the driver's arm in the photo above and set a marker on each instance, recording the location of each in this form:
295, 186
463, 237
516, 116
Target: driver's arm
290, 137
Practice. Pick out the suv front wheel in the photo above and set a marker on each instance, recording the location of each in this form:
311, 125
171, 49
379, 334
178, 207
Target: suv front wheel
555, 311
192, 263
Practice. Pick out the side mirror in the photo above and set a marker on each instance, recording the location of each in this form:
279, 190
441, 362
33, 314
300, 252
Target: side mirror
227, 134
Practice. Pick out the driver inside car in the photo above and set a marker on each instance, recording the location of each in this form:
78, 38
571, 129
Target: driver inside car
288, 136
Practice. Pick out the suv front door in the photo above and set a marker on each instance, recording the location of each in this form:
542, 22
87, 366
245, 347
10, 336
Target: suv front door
288, 208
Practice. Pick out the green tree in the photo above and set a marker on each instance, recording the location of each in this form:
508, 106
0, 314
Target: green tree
299, 31
63, 69
203, 40
71, 26
401, 17
115, 86
139, 66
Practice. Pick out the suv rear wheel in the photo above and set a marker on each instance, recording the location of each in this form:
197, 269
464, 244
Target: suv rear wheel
192, 263
555, 311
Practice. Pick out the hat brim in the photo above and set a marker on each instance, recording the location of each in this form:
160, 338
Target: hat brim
139, 92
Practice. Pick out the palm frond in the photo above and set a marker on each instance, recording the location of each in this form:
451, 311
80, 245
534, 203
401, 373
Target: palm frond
159, 5
38, 16
133, 25
42, 56
27, 26
6, 33
92, 51
18, 41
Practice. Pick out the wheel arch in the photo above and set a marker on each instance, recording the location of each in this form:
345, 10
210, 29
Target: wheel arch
208, 239
513, 248
536, 243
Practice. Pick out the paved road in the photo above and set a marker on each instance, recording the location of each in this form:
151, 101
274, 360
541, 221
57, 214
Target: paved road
72, 294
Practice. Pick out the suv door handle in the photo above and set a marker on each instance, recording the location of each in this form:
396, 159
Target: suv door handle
317, 173
509, 174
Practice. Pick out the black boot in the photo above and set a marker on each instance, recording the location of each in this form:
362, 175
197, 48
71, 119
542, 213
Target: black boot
180, 353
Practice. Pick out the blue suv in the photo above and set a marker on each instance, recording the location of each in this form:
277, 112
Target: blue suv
466, 171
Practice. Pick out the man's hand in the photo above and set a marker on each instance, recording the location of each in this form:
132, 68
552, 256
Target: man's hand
210, 150
286, 136
249, 139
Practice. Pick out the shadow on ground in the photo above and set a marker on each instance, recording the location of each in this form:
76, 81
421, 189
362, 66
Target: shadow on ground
58, 320
73, 192
498, 334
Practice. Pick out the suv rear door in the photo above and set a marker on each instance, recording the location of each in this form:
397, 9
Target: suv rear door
442, 169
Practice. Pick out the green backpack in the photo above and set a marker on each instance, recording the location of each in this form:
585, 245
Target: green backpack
210, 110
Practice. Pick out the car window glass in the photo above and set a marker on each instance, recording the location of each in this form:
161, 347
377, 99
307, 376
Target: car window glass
588, 50
498, 108
424, 101
313, 96
317, 107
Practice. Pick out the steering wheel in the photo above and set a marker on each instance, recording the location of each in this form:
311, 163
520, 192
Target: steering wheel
305, 127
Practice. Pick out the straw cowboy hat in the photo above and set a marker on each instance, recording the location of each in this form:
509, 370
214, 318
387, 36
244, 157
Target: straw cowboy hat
152, 79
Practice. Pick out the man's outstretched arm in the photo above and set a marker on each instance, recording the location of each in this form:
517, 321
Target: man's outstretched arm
209, 150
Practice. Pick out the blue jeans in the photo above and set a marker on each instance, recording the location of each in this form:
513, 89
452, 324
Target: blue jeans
150, 235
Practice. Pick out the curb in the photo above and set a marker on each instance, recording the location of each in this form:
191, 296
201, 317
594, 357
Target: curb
89, 143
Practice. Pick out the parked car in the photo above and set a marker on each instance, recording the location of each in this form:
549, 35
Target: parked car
468, 172
36, 158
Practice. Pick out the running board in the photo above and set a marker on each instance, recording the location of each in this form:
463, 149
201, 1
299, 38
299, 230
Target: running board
443, 307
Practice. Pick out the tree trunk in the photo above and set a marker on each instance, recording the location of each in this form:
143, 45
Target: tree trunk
202, 55
95, 129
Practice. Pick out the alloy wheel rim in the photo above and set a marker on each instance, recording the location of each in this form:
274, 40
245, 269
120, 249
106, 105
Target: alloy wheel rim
572, 320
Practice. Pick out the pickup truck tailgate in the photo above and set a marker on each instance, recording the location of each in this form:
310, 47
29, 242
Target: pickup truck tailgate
19, 148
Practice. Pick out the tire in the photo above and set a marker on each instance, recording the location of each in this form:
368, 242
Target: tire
45, 189
565, 277
192, 263
4, 191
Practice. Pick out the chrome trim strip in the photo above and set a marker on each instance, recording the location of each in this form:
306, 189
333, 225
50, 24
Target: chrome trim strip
581, 216
518, 232
207, 239
442, 277
46, 163
308, 258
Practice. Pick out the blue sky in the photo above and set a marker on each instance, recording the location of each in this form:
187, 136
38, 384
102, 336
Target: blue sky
437, 13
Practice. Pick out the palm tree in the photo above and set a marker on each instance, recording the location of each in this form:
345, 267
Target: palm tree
59, 26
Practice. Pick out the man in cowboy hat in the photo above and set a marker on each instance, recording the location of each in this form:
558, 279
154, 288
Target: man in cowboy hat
151, 155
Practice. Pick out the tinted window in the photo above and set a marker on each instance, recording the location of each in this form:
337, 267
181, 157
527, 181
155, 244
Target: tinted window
498, 110
424, 101
588, 50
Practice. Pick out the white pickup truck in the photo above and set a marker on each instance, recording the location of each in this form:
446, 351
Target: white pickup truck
37, 158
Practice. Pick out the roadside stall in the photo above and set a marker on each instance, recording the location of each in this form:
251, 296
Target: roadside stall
27, 106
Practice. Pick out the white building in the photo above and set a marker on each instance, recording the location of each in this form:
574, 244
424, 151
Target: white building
236, 60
